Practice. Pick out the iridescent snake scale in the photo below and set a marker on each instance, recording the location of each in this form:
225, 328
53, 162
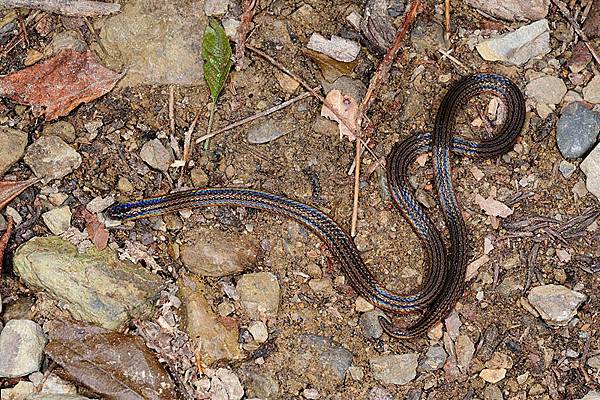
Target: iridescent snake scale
445, 280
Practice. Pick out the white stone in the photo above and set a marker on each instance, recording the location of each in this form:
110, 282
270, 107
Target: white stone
58, 220
556, 304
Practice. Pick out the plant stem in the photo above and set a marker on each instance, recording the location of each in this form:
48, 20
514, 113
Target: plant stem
213, 107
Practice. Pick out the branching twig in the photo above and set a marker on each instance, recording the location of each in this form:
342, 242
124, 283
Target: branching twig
74, 8
565, 12
258, 115
242, 33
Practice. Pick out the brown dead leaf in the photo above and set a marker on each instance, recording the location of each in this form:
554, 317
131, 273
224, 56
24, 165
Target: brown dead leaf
56, 86
96, 230
11, 189
4, 240
493, 207
347, 107
330, 68
114, 365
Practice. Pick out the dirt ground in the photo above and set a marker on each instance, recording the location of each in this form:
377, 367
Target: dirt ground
310, 164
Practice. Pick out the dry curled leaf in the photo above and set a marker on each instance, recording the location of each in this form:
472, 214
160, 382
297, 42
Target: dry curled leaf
11, 189
56, 86
343, 105
114, 365
493, 207
95, 229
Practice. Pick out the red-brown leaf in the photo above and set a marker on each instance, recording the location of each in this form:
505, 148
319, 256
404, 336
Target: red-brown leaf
11, 189
95, 229
56, 86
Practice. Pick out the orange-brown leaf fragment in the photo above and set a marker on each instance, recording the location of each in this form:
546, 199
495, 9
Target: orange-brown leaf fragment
56, 86
346, 107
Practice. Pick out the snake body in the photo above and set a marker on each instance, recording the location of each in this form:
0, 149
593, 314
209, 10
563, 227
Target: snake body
444, 283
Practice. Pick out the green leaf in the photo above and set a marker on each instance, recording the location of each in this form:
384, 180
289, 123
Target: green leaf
216, 53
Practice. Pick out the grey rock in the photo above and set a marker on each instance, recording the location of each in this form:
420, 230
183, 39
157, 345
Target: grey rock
396, 369
158, 41
369, 322
51, 158
58, 220
118, 291
591, 168
22, 345
215, 7
259, 293
513, 10
210, 252
63, 129
546, 89
12, 147
156, 155
379, 393
518, 47
333, 359
591, 395
213, 341
65, 40
264, 132
262, 385
566, 168
338, 48
577, 130
464, 352
427, 36
492, 392
591, 93
434, 359
556, 304
594, 362
224, 380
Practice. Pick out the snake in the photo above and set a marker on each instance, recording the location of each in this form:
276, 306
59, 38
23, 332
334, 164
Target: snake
444, 281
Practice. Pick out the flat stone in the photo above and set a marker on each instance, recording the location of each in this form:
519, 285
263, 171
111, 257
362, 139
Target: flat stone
591, 168
464, 352
369, 322
594, 362
338, 48
577, 130
396, 369
94, 286
326, 357
362, 305
264, 132
555, 303
157, 41
63, 129
591, 93
51, 158
213, 341
12, 147
513, 10
225, 380
215, 7
434, 359
546, 89
492, 375
492, 392
259, 294
259, 331
518, 47
261, 385
156, 155
22, 345
211, 252
58, 220
566, 168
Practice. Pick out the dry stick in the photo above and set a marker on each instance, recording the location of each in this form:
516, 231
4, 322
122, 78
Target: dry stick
356, 189
74, 8
565, 12
172, 109
242, 32
187, 148
258, 115
447, 19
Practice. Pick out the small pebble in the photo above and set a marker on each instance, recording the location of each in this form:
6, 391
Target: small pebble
58, 220
566, 168
259, 331
362, 305
310, 394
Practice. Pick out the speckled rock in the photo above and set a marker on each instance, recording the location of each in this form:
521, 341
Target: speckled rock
21, 348
369, 322
211, 252
396, 369
259, 293
63, 129
262, 385
156, 155
577, 130
513, 10
12, 147
518, 47
118, 291
325, 359
51, 158
546, 89
591, 168
556, 304
591, 93
58, 220
434, 359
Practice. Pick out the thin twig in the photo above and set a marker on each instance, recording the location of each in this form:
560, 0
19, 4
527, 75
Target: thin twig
74, 8
362, 151
187, 148
384, 67
242, 33
258, 115
447, 19
356, 189
172, 109
446, 54
565, 12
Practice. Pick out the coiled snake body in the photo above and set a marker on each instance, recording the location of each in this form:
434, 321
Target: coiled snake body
444, 283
